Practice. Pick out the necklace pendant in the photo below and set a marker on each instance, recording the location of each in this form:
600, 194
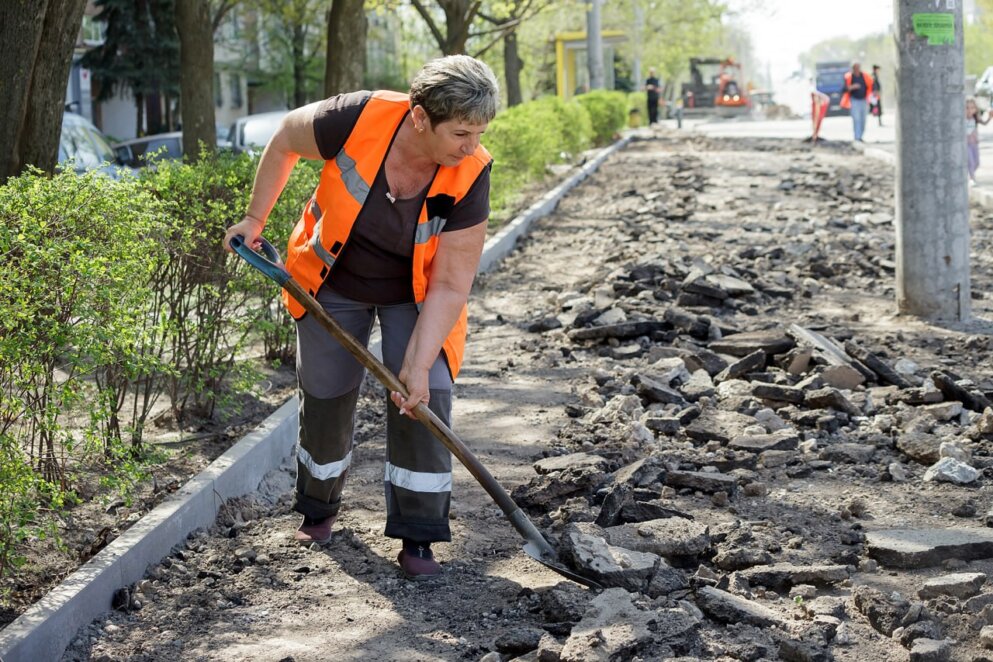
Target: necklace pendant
389, 196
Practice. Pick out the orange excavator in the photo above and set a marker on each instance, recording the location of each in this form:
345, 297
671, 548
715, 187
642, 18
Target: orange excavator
715, 86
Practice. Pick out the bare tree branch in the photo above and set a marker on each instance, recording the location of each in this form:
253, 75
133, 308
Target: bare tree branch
426, 15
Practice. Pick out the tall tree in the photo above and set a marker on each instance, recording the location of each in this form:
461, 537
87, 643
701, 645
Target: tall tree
293, 32
459, 15
196, 63
344, 68
507, 18
33, 74
140, 54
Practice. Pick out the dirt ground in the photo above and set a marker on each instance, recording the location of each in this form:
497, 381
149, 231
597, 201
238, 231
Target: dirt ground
245, 591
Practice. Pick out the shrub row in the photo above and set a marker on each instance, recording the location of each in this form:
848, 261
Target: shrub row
111, 295
525, 139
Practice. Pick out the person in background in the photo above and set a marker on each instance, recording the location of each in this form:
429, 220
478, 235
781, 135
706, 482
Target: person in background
876, 98
973, 118
394, 230
858, 86
652, 89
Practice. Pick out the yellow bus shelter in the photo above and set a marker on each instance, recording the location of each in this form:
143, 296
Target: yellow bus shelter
571, 71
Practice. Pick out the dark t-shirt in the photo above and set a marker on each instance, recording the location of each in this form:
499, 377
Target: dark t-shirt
375, 265
649, 82
858, 86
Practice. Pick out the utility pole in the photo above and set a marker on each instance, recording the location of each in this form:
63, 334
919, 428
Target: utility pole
594, 45
932, 193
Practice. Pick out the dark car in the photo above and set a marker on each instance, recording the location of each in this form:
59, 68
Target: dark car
87, 147
139, 152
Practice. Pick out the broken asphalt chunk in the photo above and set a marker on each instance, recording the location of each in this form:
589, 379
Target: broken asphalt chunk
922, 548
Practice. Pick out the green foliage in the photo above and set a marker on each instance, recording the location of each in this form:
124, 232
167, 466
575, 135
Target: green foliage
525, 139
295, 34
213, 301
74, 274
979, 40
671, 31
112, 293
141, 50
608, 113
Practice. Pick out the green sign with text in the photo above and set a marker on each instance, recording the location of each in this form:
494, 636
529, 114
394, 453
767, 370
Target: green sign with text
938, 28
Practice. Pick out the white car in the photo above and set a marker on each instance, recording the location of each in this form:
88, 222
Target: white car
87, 147
252, 132
984, 86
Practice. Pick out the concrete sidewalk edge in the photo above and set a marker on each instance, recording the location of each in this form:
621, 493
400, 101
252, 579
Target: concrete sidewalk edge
45, 630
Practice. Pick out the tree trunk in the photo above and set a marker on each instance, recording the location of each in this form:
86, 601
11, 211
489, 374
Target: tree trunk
299, 66
139, 115
196, 78
458, 19
512, 65
344, 70
33, 75
153, 112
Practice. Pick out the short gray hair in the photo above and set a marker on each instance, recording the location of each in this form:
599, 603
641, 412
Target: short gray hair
455, 87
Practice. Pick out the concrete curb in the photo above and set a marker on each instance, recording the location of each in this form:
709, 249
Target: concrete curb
980, 196
45, 630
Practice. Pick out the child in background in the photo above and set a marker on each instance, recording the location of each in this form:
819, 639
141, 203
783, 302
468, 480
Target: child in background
973, 118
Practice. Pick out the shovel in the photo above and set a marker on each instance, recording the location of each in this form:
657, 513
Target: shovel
535, 544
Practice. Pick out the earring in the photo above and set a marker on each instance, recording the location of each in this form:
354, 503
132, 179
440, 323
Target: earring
420, 129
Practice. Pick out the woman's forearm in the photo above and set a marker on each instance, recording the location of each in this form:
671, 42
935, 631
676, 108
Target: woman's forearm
441, 310
273, 172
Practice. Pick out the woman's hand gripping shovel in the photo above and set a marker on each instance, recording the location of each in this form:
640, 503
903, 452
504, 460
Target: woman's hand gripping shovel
535, 544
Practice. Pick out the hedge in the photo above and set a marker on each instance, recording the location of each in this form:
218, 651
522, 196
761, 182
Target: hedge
112, 294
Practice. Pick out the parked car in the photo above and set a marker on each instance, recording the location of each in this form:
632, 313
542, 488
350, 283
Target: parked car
138, 152
252, 132
157, 147
88, 147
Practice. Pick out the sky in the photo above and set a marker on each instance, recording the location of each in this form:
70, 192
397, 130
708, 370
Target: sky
782, 29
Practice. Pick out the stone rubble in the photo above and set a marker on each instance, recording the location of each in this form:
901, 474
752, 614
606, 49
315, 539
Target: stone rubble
708, 402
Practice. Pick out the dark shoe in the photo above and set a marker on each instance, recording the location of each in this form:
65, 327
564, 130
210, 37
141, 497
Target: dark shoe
315, 531
418, 564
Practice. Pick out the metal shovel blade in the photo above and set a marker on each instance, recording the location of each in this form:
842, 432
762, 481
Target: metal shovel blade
532, 550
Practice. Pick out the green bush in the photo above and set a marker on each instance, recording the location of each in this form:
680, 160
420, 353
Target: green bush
76, 255
608, 112
214, 303
526, 138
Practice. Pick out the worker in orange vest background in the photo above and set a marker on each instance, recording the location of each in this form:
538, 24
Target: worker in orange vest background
858, 87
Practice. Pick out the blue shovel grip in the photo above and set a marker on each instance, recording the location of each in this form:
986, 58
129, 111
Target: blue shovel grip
269, 264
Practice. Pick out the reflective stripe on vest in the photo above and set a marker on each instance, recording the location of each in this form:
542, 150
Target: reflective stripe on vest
327, 220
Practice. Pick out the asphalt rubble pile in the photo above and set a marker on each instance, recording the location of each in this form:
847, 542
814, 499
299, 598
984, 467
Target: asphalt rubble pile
711, 395
685, 406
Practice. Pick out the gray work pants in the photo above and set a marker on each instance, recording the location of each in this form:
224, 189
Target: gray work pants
418, 477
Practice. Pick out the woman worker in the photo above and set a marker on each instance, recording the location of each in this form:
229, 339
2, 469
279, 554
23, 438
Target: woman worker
394, 230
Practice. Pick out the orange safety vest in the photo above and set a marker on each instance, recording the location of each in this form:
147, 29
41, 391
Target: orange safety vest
846, 98
328, 217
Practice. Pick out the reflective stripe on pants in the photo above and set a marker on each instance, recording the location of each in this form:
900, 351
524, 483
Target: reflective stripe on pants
418, 466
